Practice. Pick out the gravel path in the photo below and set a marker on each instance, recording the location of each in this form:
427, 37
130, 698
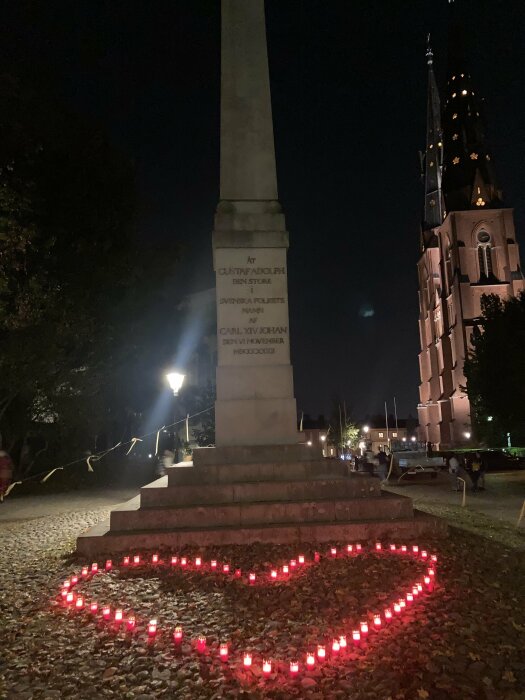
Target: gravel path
464, 641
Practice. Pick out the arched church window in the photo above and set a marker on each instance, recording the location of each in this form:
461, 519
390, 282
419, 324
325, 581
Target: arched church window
484, 256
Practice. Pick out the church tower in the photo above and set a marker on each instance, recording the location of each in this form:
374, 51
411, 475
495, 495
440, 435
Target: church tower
468, 244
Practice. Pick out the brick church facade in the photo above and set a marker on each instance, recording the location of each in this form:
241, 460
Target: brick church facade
468, 247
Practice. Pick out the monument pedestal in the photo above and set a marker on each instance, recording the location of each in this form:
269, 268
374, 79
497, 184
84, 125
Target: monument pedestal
239, 495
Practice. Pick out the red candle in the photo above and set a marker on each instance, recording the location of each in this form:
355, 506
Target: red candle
431, 573
293, 563
93, 607
342, 641
201, 643
273, 574
433, 557
183, 561
74, 580
364, 628
415, 549
310, 659
349, 548
267, 667
410, 598
109, 565
285, 569
377, 621
66, 584
79, 604
174, 561
106, 612
358, 547
125, 561
415, 591
225, 568
223, 651
118, 616
402, 603
301, 558
84, 571
70, 597
94, 567
251, 578
428, 583
388, 614
356, 636
213, 563
294, 668
378, 546
154, 558
321, 651
392, 547
238, 573
333, 551
177, 634
397, 608
198, 561
152, 628
403, 548
335, 646
131, 622
136, 559
64, 593
419, 587
317, 556
424, 554
247, 659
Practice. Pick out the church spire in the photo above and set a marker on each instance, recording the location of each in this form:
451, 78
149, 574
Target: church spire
433, 160
468, 175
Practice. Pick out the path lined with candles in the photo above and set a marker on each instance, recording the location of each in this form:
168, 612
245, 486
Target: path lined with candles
72, 598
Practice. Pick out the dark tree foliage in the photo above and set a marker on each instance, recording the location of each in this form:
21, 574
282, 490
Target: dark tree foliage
81, 302
495, 371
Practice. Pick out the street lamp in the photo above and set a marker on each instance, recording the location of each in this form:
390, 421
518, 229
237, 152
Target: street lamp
413, 438
365, 428
467, 435
175, 380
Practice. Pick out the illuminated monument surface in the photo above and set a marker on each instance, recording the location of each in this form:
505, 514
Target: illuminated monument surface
259, 483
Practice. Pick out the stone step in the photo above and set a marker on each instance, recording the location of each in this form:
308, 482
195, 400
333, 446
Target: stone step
101, 540
261, 471
157, 494
130, 516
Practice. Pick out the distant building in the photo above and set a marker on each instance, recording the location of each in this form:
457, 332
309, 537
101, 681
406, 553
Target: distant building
468, 246
377, 436
315, 433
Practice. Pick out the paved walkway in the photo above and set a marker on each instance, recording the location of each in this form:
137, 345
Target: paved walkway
42, 505
501, 501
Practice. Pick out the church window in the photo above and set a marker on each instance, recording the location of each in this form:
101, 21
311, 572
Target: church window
394, 434
381, 435
473, 156
455, 160
454, 116
454, 137
484, 256
431, 163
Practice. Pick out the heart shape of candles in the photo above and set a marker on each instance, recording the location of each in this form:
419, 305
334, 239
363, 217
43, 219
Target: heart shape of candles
352, 635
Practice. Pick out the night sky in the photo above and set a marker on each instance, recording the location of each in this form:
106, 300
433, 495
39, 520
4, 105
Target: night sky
349, 100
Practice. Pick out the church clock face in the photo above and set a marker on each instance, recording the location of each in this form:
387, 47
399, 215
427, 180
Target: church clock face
483, 237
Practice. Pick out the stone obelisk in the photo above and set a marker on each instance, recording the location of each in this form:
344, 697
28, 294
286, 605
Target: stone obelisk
255, 400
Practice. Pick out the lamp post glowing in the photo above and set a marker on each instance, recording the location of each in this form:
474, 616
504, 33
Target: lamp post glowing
176, 380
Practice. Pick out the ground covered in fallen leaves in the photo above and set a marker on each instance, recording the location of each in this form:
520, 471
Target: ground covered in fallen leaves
465, 640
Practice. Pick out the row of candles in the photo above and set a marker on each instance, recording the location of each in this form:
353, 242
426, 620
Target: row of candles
275, 573
338, 645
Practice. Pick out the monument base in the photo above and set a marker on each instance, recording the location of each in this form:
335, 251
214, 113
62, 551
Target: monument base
267, 493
